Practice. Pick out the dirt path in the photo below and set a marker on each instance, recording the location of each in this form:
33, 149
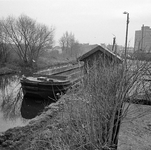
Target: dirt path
135, 132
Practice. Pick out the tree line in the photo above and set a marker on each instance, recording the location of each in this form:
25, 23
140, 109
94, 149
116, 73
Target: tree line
69, 45
29, 39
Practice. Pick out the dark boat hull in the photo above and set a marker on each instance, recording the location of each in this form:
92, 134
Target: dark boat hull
45, 89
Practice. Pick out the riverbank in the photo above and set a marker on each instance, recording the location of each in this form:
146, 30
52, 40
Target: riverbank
7, 70
48, 129
21, 137
80, 120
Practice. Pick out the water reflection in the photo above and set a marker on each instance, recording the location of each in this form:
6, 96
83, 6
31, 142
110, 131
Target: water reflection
16, 109
7, 80
10, 103
31, 106
14, 105
11, 97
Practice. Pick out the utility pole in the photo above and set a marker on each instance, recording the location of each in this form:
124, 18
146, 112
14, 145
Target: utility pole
127, 22
113, 46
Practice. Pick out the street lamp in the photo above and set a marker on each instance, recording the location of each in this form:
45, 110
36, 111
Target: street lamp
127, 22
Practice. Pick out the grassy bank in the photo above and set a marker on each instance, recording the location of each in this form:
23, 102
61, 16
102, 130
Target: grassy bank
8, 70
90, 118
87, 117
41, 65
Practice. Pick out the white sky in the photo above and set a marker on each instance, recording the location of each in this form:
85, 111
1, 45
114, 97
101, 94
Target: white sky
91, 21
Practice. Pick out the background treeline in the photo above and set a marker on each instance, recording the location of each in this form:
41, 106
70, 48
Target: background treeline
26, 43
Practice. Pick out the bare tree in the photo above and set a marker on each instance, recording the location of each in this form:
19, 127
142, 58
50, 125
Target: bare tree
69, 45
4, 47
27, 37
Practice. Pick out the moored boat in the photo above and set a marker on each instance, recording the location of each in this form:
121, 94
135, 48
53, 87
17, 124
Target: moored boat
45, 86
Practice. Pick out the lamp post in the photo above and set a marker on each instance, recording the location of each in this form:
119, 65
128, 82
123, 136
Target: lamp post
127, 22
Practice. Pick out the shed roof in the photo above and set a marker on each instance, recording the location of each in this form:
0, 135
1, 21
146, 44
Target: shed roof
103, 50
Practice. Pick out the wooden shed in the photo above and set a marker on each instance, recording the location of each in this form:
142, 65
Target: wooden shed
99, 56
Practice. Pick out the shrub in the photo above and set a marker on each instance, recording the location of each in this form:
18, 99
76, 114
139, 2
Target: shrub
90, 118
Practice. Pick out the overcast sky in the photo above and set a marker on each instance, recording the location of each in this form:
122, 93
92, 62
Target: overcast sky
91, 21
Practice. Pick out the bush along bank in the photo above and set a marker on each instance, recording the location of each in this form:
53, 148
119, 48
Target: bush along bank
74, 122
6, 71
86, 119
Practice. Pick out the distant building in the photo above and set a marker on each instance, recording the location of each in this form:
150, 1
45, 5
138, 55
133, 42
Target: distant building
143, 39
57, 48
118, 49
85, 47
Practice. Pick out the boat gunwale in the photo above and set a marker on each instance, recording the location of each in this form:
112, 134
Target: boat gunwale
49, 83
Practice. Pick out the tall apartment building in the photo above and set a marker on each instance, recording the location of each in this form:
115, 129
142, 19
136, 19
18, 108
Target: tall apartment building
143, 39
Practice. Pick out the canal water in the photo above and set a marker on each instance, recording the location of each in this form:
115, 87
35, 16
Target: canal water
16, 109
